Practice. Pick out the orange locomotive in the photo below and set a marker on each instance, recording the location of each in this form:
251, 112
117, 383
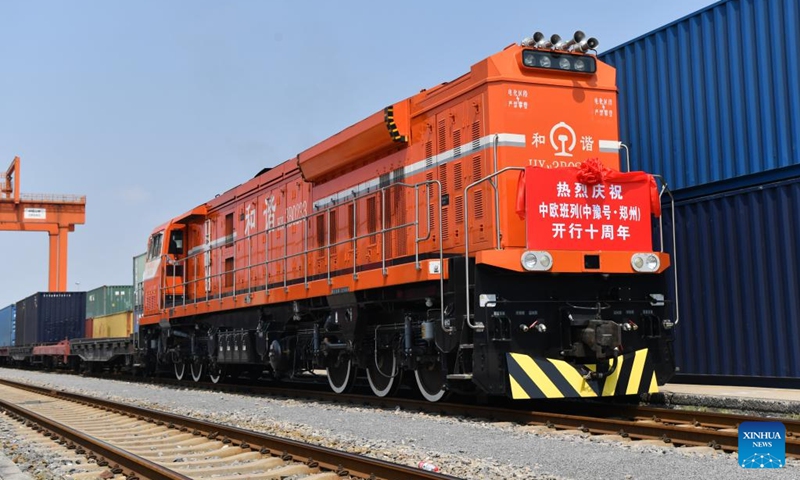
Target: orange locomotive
460, 235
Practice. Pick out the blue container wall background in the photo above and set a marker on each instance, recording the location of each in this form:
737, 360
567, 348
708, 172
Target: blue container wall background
714, 95
739, 282
7, 319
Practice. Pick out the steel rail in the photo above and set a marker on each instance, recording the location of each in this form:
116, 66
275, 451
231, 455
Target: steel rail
144, 469
693, 417
343, 463
709, 428
638, 422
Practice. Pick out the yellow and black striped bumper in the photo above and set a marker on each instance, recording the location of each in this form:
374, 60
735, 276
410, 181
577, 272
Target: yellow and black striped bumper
534, 378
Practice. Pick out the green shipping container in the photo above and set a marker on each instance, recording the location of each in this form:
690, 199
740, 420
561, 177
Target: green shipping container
109, 299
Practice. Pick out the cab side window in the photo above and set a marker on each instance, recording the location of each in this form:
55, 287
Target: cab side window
176, 242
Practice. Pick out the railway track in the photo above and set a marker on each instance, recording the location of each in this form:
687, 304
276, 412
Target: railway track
677, 427
146, 444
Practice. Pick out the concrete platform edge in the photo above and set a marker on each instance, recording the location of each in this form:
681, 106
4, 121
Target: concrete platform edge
733, 403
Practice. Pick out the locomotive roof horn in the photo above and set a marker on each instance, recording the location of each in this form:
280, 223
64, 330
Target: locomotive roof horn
585, 45
576, 39
578, 43
541, 41
556, 42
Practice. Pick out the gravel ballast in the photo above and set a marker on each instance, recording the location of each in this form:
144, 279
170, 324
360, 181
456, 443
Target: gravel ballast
36, 457
461, 447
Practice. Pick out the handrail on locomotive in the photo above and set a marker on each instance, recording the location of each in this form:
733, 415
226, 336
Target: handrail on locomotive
665, 189
183, 262
479, 326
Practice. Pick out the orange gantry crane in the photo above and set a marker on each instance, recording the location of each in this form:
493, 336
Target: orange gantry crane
55, 214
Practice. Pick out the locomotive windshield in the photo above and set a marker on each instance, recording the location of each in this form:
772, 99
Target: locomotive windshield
154, 249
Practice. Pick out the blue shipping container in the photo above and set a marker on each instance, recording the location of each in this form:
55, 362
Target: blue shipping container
7, 320
47, 317
713, 95
739, 283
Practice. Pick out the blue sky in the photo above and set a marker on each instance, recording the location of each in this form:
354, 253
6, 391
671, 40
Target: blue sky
150, 108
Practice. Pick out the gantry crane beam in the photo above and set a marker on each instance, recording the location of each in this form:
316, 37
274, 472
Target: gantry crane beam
55, 214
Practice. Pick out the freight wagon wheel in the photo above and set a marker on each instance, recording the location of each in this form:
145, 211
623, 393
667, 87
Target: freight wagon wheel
197, 369
430, 381
382, 374
341, 374
180, 370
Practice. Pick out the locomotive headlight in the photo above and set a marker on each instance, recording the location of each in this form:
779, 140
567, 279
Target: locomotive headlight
529, 261
555, 60
536, 261
645, 262
545, 261
652, 263
528, 61
544, 62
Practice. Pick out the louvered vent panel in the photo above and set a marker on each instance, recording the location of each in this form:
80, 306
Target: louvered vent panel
458, 177
372, 218
443, 178
321, 234
389, 220
442, 137
334, 226
431, 217
401, 218
389, 240
477, 171
476, 134
478, 203
445, 223
456, 143
459, 209
431, 188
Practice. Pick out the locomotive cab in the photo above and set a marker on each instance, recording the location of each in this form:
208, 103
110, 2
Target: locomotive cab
164, 280
174, 280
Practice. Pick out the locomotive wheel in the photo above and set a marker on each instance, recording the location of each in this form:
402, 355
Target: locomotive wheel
377, 371
197, 369
430, 381
180, 370
215, 373
341, 374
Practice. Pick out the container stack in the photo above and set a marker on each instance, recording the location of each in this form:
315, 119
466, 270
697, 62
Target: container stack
722, 125
109, 311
